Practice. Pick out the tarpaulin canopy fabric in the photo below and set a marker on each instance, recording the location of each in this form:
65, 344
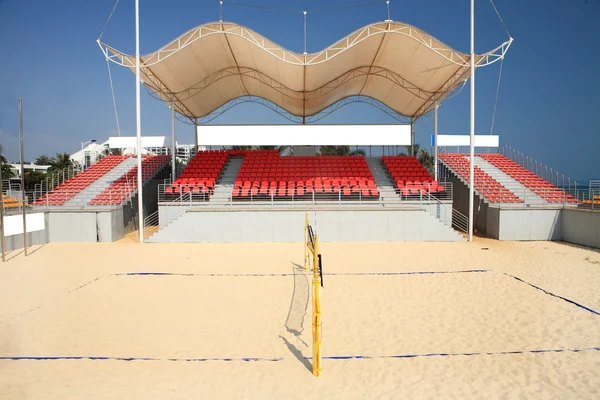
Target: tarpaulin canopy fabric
397, 64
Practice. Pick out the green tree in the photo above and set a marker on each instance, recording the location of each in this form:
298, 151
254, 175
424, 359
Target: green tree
61, 161
6, 171
340, 151
407, 148
32, 178
426, 160
43, 160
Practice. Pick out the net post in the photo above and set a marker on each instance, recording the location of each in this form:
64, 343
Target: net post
316, 317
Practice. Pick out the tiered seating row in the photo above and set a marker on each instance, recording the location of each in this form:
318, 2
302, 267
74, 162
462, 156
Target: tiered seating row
409, 176
11, 202
79, 182
484, 184
120, 189
201, 174
265, 173
536, 184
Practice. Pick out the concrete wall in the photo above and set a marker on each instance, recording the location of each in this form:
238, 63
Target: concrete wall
581, 227
530, 224
287, 226
15, 242
72, 227
86, 226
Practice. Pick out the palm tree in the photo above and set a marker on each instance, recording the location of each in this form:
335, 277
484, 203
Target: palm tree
358, 152
6, 171
61, 161
43, 160
426, 160
408, 148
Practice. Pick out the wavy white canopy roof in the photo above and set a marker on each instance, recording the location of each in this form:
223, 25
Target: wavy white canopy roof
395, 63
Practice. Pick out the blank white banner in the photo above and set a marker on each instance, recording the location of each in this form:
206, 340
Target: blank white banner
13, 225
129, 142
303, 135
465, 140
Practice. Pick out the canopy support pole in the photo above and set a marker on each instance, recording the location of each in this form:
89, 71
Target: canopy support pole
305, 12
435, 140
472, 133
195, 137
173, 149
138, 122
412, 137
23, 195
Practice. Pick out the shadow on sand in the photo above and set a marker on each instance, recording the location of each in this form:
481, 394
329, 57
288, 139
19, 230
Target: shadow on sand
294, 323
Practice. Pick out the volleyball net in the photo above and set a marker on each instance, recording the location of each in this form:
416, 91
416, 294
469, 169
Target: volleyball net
314, 261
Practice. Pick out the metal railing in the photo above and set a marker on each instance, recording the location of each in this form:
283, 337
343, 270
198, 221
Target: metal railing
289, 197
528, 196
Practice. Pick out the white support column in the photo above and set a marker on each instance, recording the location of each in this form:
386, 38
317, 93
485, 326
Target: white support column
195, 137
435, 139
472, 133
412, 137
138, 122
173, 147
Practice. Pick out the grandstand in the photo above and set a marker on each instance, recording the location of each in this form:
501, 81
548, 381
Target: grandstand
501, 180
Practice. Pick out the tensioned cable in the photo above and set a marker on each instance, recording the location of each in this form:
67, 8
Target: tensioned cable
112, 89
497, 93
500, 18
108, 20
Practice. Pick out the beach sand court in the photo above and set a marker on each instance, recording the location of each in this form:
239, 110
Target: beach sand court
429, 320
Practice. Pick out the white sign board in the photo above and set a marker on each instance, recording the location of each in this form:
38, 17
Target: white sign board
303, 135
130, 142
13, 225
465, 140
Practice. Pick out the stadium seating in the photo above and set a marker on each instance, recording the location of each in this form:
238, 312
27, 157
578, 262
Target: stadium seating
122, 188
265, 174
409, 176
201, 174
530, 180
484, 184
61, 194
11, 202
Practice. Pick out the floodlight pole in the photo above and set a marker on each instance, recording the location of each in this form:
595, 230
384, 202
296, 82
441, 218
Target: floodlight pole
435, 139
138, 121
23, 195
472, 133
173, 152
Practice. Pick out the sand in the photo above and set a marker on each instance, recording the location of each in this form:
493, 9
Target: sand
468, 332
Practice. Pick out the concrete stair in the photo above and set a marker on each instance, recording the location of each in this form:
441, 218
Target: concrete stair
382, 180
224, 185
514, 186
82, 198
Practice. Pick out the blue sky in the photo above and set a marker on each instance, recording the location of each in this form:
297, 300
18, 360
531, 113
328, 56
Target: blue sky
548, 106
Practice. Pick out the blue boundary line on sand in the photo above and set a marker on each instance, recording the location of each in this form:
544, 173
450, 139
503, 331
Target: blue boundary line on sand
361, 357
107, 358
554, 295
291, 274
259, 359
